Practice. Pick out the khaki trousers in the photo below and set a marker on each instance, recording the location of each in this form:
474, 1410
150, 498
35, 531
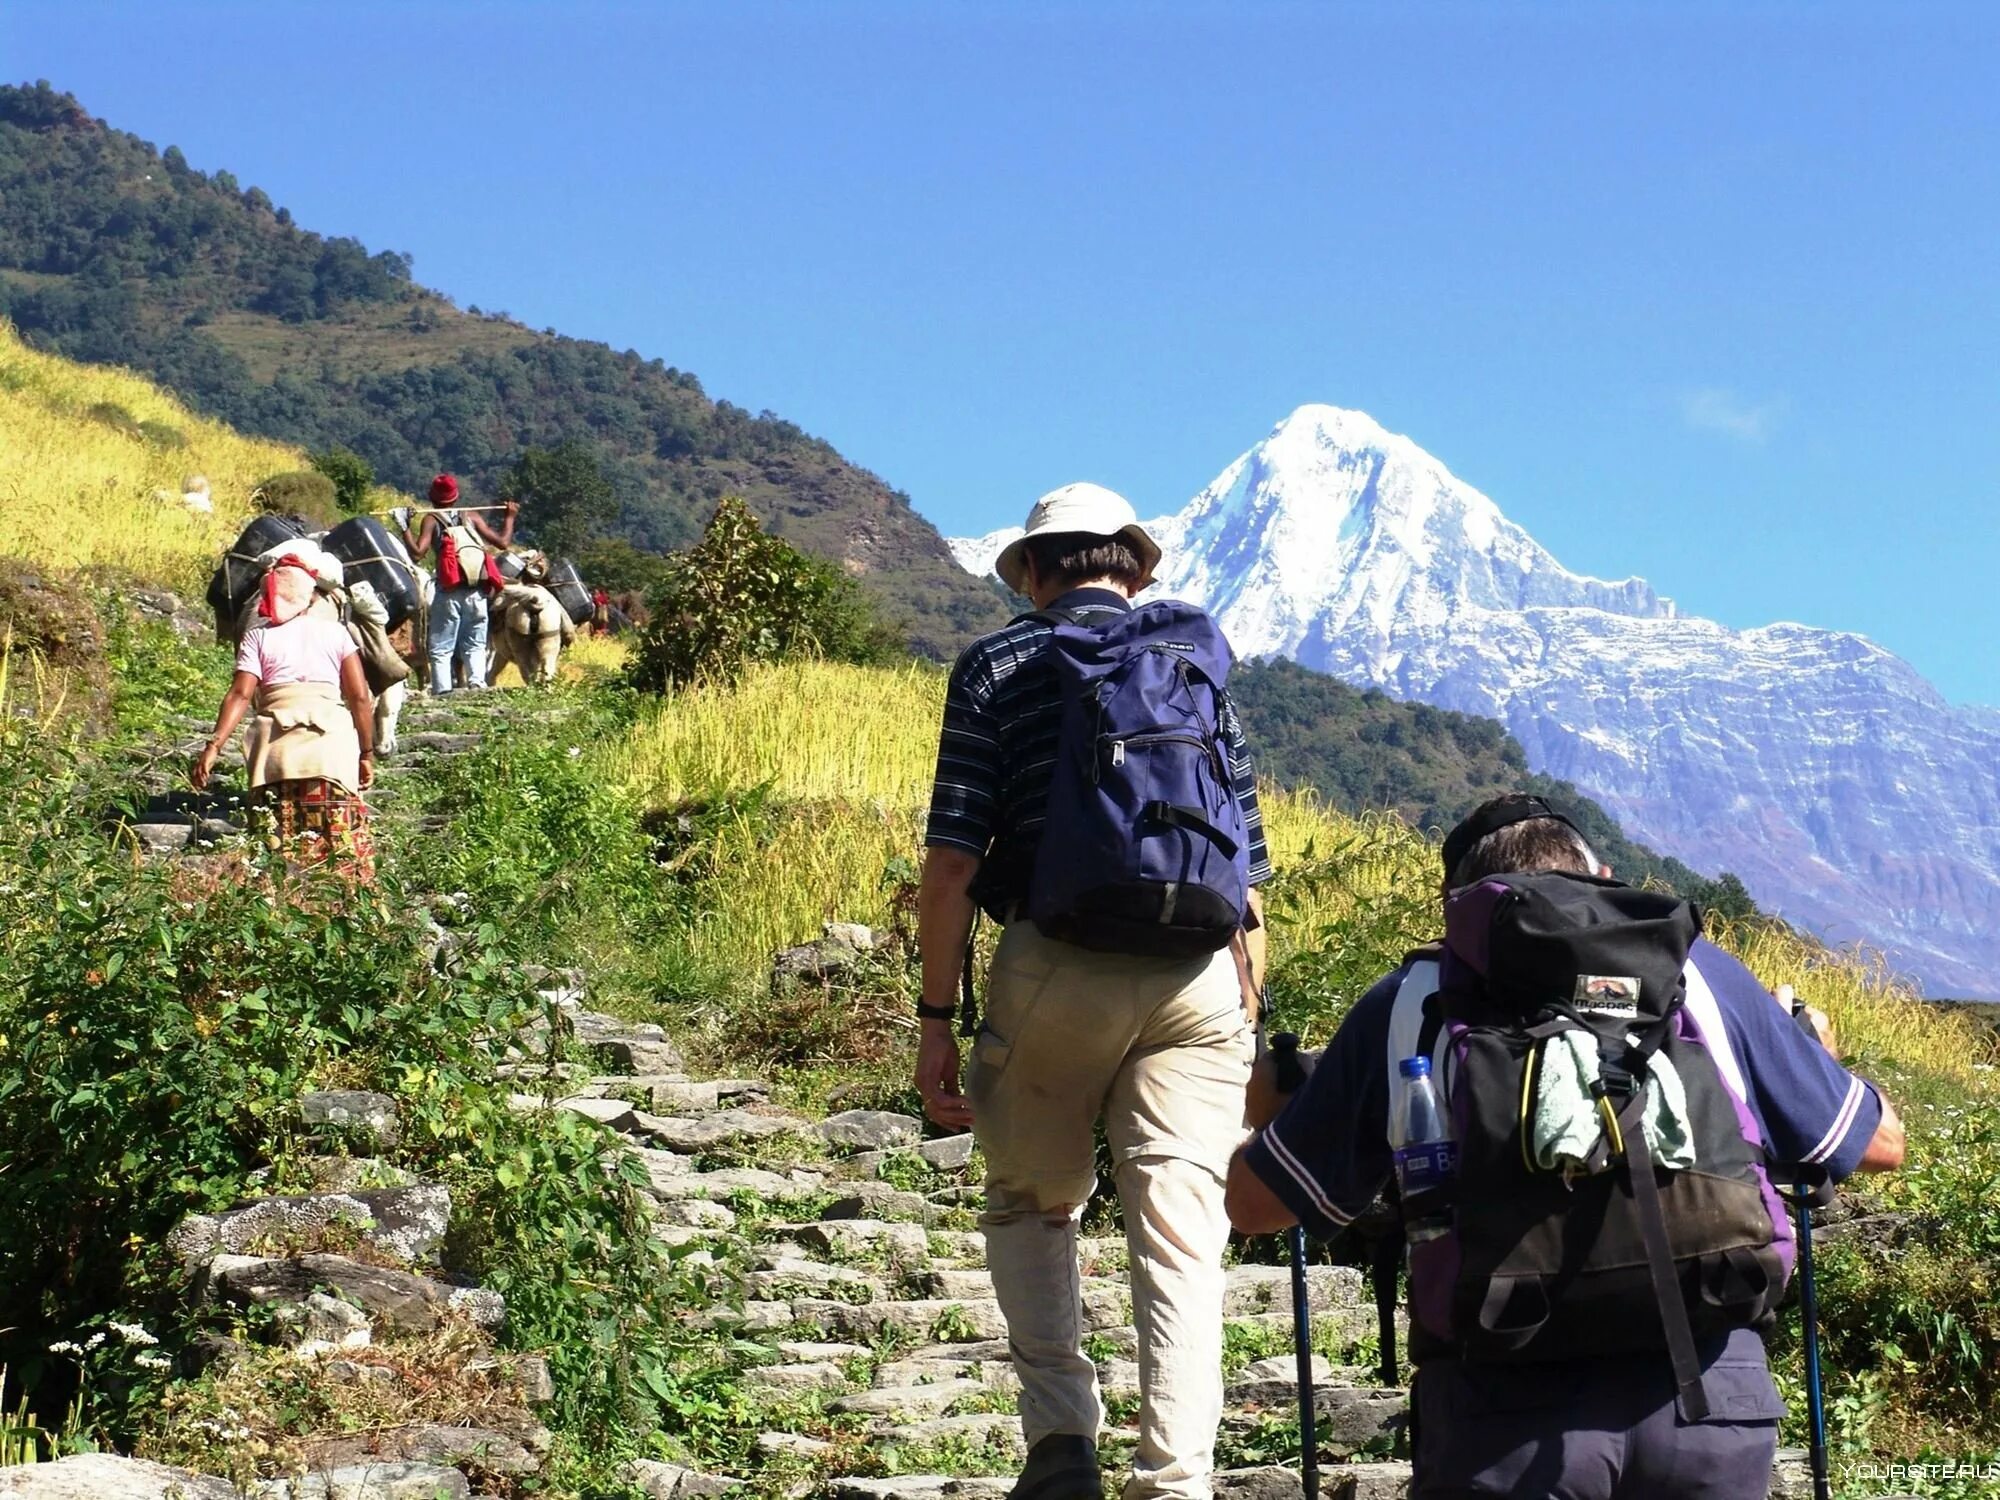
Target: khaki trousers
1159, 1049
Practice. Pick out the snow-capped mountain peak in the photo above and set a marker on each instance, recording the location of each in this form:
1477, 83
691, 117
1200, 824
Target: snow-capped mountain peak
1819, 767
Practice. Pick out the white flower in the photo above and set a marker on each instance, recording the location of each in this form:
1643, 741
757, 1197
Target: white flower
95, 1339
574, 752
64, 1346
132, 1333
152, 1361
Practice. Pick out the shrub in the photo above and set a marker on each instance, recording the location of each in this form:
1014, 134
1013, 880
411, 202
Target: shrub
350, 475
302, 493
163, 436
741, 595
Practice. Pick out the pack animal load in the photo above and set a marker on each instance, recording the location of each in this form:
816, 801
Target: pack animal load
371, 555
1605, 1190
566, 583
242, 569
1145, 850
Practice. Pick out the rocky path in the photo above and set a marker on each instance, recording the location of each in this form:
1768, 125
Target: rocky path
843, 1265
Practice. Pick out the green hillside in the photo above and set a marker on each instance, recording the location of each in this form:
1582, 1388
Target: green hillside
112, 251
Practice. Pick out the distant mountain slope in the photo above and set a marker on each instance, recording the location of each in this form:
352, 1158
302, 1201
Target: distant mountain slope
1838, 783
1363, 749
111, 251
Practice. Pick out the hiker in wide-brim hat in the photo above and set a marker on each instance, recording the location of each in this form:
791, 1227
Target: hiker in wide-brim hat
1083, 1021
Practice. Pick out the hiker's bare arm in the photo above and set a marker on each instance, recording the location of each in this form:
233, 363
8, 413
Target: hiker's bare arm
361, 708
1252, 1207
1256, 942
235, 704
504, 537
944, 926
1885, 1147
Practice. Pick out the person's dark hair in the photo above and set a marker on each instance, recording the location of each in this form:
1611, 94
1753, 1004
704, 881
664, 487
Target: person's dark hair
1073, 557
1531, 846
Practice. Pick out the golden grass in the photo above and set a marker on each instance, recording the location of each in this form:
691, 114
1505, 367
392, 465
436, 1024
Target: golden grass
812, 732
591, 658
851, 750
77, 492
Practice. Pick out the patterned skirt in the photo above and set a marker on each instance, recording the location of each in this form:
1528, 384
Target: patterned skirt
318, 822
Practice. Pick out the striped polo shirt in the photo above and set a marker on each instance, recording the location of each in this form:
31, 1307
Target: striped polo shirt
997, 752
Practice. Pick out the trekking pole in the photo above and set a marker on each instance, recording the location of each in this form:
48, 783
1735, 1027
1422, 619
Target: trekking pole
1290, 1075
1810, 1190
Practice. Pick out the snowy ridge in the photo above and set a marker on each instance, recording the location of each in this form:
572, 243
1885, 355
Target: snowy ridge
1825, 771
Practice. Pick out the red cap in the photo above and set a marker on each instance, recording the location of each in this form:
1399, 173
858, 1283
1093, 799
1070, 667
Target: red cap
444, 490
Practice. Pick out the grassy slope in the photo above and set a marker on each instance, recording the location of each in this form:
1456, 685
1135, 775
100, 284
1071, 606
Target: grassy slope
77, 492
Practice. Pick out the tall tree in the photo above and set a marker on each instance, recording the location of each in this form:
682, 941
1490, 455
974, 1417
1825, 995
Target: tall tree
564, 495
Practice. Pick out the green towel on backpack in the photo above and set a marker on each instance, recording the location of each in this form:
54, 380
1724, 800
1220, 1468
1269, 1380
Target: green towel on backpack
1567, 1126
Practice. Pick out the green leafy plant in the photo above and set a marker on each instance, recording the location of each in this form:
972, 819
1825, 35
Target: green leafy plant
741, 595
350, 474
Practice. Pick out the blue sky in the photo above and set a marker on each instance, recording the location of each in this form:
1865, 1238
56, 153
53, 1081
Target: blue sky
1705, 292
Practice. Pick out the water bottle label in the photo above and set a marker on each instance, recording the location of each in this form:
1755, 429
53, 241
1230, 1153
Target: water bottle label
1425, 1164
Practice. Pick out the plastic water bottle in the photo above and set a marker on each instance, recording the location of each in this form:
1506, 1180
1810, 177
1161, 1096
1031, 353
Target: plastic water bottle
1426, 1155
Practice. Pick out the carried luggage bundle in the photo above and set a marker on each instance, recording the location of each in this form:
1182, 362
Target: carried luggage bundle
371, 554
1657, 1221
235, 581
566, 583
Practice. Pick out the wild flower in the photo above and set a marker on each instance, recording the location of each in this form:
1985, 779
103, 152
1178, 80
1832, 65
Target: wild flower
132, 1333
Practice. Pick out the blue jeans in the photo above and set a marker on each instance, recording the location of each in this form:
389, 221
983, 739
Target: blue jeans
458, 630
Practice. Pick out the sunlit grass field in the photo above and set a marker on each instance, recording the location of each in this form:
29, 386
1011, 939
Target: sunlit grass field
849, 750
77, 487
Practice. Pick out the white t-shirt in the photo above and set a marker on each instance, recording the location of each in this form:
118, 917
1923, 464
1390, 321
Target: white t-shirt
306, 649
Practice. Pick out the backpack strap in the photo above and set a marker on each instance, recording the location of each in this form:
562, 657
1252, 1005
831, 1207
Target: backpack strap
1175, 816
1645, 1192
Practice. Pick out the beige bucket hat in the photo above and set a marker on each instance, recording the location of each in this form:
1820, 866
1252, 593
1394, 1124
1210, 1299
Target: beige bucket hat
1078, 509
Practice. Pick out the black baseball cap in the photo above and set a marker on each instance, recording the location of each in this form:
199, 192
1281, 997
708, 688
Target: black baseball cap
1501, 812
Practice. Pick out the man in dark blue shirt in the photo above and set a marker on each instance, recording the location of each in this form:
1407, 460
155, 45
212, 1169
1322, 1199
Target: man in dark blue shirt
1584, 1429
1158, 1049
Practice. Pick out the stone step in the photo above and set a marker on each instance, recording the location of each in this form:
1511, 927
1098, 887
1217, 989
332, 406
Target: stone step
407, 1222
997, 1432
1260, 1289
906, 1244
993, 1374
907, 1401
942, 1320
819, 1376
922, 1487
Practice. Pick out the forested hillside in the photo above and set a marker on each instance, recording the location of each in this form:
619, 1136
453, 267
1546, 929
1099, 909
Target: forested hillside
114, 251
1362, 750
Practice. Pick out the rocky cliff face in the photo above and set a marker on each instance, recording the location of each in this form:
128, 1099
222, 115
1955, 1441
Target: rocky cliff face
1826, 772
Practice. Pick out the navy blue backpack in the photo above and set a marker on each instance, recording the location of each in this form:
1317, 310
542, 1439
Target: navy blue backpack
1145, 849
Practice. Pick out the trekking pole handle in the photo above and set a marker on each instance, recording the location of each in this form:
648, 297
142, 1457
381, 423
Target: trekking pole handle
1290, 1070
1811, 1187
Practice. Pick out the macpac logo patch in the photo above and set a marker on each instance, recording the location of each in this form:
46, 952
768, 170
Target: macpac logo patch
1615, 995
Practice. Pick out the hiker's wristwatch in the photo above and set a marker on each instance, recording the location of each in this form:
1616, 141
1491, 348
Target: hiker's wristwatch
935, 1012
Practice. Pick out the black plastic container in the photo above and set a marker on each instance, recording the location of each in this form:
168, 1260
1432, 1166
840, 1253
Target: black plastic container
566, 583
369, 553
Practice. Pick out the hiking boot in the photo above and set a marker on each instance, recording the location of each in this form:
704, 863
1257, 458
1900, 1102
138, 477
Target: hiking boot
1062, 1466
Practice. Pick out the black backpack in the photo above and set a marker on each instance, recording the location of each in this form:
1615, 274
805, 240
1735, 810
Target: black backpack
1617, 1254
